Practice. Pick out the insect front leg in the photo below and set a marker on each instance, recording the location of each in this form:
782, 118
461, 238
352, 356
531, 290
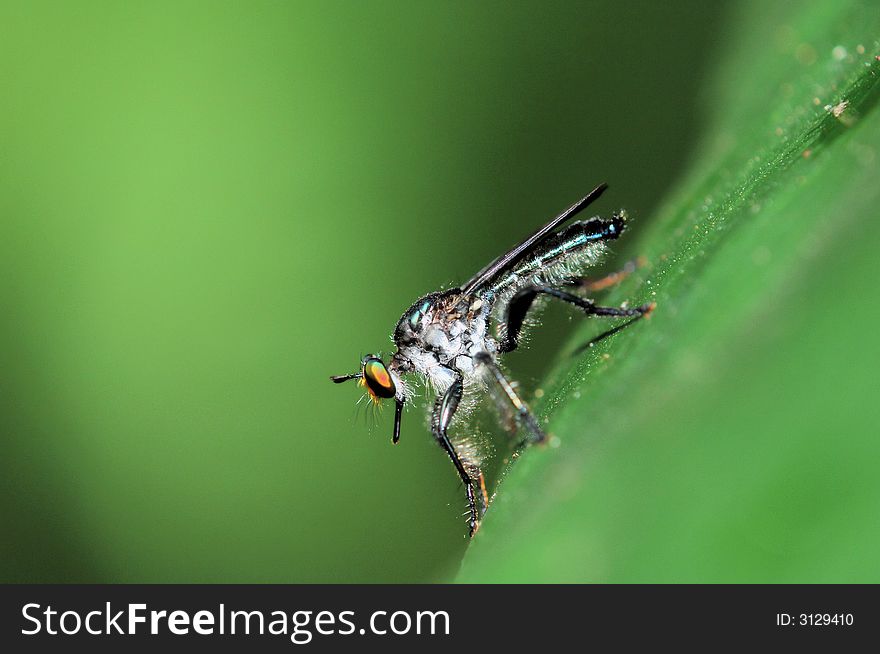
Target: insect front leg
444, 410
509, 394
521, 303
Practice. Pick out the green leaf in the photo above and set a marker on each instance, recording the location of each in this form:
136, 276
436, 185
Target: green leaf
732, 437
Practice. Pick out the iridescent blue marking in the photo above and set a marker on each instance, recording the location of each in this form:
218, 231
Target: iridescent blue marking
571, 245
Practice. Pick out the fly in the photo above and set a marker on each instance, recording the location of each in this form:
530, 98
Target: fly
454, 339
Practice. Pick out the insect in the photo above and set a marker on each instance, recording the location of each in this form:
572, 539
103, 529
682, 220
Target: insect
454, 339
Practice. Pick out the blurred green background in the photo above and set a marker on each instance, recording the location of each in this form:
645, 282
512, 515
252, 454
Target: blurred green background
209, 208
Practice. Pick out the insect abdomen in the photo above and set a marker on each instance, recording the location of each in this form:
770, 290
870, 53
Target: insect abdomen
578, 246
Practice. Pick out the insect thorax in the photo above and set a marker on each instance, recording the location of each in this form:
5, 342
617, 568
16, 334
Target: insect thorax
443, 330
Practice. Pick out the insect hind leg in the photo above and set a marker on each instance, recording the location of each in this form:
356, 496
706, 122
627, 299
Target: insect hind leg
595, 285
521, 303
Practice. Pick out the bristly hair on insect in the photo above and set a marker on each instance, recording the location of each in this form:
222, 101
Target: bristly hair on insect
454, 339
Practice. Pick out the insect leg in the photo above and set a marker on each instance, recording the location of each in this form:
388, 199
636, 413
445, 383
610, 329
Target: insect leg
536, 434
522, 302
609, 280
444, 409
604, 335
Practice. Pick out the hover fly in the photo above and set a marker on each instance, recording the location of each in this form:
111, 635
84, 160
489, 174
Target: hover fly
454, 339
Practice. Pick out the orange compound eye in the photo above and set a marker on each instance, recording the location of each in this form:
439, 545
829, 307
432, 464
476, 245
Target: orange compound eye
378, 379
